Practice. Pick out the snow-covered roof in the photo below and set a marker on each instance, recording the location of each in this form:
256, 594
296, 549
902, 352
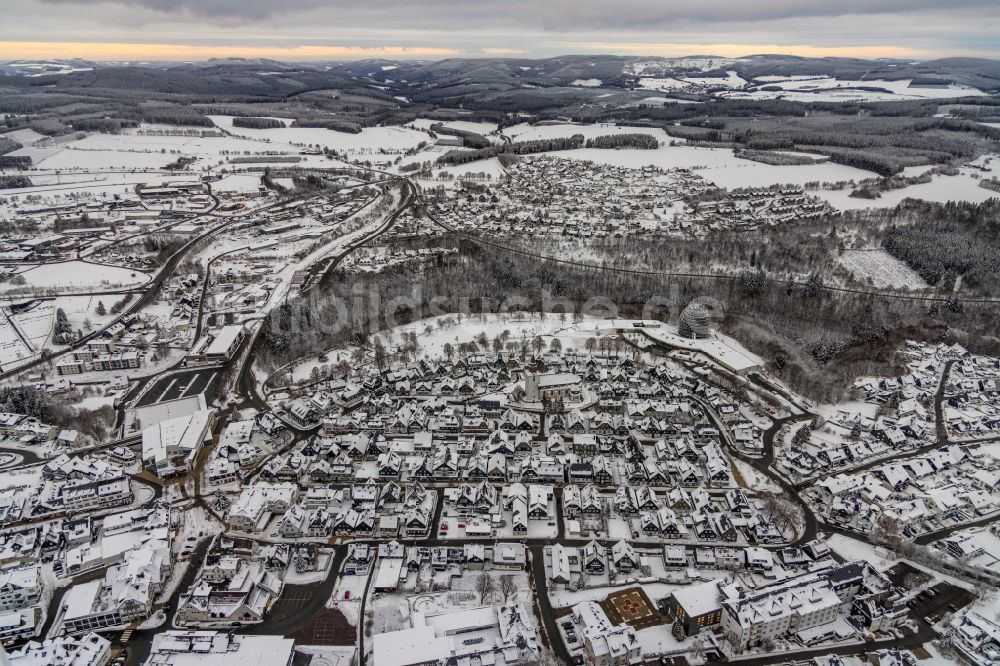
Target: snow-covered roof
698, 599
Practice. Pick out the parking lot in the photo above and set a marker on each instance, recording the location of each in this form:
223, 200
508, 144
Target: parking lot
942, 599
327, 627
181, 385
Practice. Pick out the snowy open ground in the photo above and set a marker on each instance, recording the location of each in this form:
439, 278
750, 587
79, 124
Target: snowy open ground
826, 89
447, 329
963, 187
479, 127
525, 132
77, 275
370, 140
718, 165
880, 269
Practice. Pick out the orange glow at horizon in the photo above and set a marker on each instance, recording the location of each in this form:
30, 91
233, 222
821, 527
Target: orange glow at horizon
740, 50
12, 50
183, 52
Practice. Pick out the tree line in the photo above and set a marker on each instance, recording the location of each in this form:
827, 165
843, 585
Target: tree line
456, 157
629, 140
258, 122
941, 251
815, 339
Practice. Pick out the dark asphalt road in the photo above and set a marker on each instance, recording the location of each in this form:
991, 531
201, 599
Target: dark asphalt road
537, 569
141, 641
282, 622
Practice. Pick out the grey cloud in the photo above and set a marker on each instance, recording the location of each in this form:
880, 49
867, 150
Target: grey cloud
552, 15
539, 27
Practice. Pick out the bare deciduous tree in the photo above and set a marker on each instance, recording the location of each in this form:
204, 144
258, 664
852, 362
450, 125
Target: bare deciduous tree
507, 587
486, 587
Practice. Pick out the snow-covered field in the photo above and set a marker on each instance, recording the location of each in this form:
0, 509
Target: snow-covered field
719, 165
78, 275
79, 309
826, 89
963, 187
490, 167
526, 132
240, 183
36, 323
370, 140
880, 269
328, 655
88, 185
754, 479
75, 158
479, 127
808, 88
435, 332
732, 80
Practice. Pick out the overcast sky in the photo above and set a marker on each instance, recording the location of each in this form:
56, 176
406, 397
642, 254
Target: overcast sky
354, 29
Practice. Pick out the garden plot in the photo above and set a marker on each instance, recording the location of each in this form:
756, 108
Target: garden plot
880, 269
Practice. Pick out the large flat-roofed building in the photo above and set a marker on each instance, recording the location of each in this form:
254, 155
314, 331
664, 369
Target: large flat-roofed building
213, 648
221, 347
83, 609
417, 646
724, 351
144, 416
20, 587
170, 447
502, 635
